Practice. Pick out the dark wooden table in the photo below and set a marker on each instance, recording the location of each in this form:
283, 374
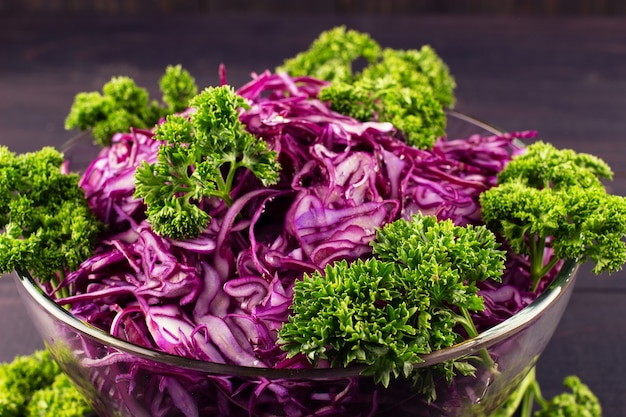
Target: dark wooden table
564, 77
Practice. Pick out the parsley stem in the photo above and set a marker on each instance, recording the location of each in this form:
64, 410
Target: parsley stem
537, 246
537, 268
228, 184
527, 403
224, 187
533, 393
468, 324
548, 266
514, 403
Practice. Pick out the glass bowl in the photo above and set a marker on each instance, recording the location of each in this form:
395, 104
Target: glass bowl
120, 379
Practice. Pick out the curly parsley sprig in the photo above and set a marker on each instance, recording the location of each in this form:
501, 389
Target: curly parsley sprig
551, 198
408, 88
528, 401
414, 111
46, 225
408, 300
413, 68
34, 386
123, 104
200, 158
332, 54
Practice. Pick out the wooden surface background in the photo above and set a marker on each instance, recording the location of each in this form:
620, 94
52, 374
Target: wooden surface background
492, 7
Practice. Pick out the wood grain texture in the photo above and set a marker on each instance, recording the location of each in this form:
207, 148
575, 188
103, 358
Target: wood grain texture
491, 7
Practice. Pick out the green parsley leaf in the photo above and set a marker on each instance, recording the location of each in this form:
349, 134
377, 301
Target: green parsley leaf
387, 311
408, 88
123, 104
200, 159
46, 225
555, 198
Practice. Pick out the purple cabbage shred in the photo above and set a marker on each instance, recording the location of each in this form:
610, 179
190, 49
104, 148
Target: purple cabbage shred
223, 296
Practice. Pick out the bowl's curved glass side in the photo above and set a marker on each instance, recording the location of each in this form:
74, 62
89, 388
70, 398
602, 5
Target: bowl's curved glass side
461, 125
524, 318
122, 379
125, 382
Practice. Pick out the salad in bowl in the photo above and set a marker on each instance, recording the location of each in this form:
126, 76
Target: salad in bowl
321, 241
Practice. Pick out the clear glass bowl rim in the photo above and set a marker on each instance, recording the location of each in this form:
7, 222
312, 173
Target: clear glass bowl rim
513, 325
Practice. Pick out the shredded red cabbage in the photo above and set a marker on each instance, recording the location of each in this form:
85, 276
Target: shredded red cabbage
222, 296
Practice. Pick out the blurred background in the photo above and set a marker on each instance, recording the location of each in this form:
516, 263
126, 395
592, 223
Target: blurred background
518, 7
